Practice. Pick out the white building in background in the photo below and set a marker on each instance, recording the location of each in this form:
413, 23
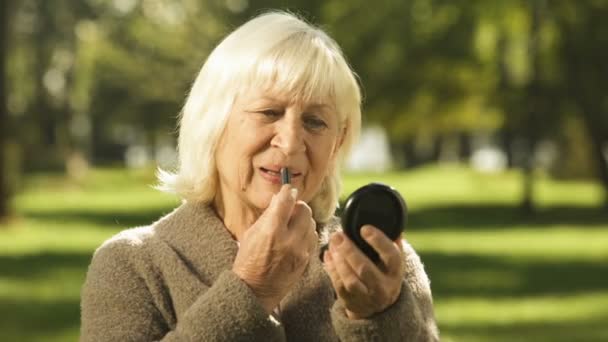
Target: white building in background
372, 152
489, 159
486, 155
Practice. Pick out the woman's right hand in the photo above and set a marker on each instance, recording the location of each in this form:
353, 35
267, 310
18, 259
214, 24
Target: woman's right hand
275, 250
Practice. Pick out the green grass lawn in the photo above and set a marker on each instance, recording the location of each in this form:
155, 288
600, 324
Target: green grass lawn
496, 275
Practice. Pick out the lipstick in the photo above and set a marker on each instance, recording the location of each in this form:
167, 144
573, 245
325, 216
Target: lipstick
285, 176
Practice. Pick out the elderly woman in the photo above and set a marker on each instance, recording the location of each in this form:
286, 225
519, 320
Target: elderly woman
238, 260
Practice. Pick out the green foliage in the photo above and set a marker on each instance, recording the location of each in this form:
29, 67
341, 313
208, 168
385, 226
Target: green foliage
417, 64
91, 78
496, 276
428, 67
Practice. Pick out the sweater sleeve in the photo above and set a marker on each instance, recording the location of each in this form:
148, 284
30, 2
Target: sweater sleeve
410, 318
117, 306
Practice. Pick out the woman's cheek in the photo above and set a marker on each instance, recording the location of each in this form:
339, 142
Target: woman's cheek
245, 173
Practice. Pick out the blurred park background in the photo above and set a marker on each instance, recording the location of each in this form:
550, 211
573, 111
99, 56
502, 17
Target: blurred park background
490, 117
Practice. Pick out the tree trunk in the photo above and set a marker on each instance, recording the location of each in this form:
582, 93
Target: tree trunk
4, 192
506, 142
41, 152
597, 142
527, 203
436, 148
602, 164
533, 99
464, 147
409, 153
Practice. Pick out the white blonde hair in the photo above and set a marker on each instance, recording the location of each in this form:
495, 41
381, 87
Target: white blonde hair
279, 51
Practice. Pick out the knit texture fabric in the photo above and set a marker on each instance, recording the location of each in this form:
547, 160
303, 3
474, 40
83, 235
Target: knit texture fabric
172, 281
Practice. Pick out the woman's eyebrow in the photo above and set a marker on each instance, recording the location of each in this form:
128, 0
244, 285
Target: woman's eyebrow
284, 102
318, 107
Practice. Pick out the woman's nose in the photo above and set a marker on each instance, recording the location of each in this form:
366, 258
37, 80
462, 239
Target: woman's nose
288, 136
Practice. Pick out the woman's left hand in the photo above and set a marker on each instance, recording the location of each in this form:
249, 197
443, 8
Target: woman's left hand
366, 288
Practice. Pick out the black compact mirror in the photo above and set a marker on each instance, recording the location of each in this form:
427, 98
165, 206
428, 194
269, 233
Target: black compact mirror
376, 204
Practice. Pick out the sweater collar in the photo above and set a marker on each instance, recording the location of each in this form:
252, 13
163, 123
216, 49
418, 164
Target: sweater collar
198, 235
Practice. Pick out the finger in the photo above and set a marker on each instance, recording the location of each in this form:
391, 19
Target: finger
302, 215
388, 252
301, 226
351, 282
313, 237
282, 204
330, 268
363, 267
400, 245
305, 235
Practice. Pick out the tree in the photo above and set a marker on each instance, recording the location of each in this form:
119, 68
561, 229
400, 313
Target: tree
42, 62
4, 26
145, 59
420, 69
584, 52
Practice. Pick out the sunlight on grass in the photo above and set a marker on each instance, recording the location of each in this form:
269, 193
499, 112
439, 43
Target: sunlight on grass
550, 309
34, 236
559, 243
541, 318
50, 285
436, 186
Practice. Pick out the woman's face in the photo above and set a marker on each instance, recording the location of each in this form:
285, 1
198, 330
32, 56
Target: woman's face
266, 132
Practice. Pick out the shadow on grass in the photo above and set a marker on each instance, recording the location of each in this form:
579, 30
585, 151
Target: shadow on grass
464, 275
481, 217
111, 219
30, 267
30, 320
471, 217
452, 275
47, 275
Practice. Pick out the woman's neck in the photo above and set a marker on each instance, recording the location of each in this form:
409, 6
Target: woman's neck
236, 215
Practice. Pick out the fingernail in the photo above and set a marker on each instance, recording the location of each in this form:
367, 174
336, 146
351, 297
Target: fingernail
294, 193
367, 232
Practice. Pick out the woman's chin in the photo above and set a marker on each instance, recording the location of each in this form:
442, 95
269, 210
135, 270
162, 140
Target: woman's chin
260, 193
262, 199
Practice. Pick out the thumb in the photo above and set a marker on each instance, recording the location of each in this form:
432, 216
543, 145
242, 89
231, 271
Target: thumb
282, 204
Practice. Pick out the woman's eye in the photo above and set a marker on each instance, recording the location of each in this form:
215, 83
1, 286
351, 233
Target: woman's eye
271, 112
315, 123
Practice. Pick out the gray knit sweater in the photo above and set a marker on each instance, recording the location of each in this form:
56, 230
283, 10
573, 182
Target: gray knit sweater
172, 281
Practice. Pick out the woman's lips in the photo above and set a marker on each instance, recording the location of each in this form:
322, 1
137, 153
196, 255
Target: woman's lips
275, 176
